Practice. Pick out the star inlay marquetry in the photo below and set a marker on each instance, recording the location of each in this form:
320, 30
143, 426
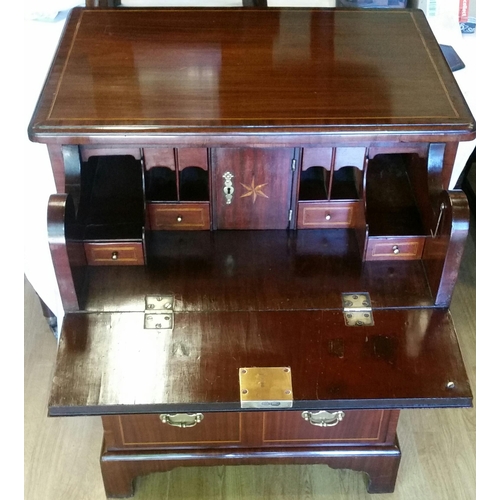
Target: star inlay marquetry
254, 190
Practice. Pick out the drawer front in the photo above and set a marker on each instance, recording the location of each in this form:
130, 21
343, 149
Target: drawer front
115, 254
325, 215
186, 216
154, 431
394, 248
356, 427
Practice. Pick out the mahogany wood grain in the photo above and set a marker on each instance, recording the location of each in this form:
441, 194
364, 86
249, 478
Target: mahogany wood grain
435, 167
421, 149
443, 253
65, 449
317, 157
218, 89
57, 163
243, 438
179, 216
409, 356
257, 270
419, 176
350, 157
249, 429
72, 171
66, 250
192, 157
262, 184
114, 254
380, 463
394, 248
361, 427
448, 164
391, 209
138, 432
159, 157
337, 214
89, 151
331, 88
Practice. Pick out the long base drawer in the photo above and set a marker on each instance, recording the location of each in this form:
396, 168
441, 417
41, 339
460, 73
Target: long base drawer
251, 429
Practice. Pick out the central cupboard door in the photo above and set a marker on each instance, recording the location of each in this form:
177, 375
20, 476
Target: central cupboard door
252, 188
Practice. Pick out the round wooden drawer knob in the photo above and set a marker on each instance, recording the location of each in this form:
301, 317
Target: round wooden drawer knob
114, 256
179, 218
328, 216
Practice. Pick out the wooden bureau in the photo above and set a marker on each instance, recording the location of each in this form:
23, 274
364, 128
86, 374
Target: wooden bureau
253, 235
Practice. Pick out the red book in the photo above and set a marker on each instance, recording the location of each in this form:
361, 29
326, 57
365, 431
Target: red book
463, 13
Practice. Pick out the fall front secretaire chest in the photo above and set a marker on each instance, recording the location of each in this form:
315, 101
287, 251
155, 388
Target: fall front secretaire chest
253, 235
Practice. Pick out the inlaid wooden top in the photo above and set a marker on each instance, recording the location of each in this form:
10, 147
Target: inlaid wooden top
219, 71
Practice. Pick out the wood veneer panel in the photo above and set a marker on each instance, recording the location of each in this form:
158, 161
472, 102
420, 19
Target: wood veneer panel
148, 431
67, 250
107, 363
438, 445
179, 216
391, 209
261, 181
363, 80
256, 270
362, 427
192, 157
115, 253
327, 214
317, 157
379, 463
443, 252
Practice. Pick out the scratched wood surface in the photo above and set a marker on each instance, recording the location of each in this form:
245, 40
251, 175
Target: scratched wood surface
62, 454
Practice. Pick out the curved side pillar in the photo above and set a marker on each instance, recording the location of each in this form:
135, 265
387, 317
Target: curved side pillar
66, 248
445, 246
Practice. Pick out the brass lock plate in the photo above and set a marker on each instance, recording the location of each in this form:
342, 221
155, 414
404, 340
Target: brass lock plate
266, 387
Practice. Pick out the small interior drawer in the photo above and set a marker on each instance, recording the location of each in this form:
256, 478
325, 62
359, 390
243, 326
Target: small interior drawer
155, 431
281, 428
395, 248
325, 215
182, 216
121, 254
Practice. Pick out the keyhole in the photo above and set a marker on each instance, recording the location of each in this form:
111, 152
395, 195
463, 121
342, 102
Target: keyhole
228, 190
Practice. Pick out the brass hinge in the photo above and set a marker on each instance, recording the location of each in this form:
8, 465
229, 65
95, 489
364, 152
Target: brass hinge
294, 165
357, 309
159, 313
